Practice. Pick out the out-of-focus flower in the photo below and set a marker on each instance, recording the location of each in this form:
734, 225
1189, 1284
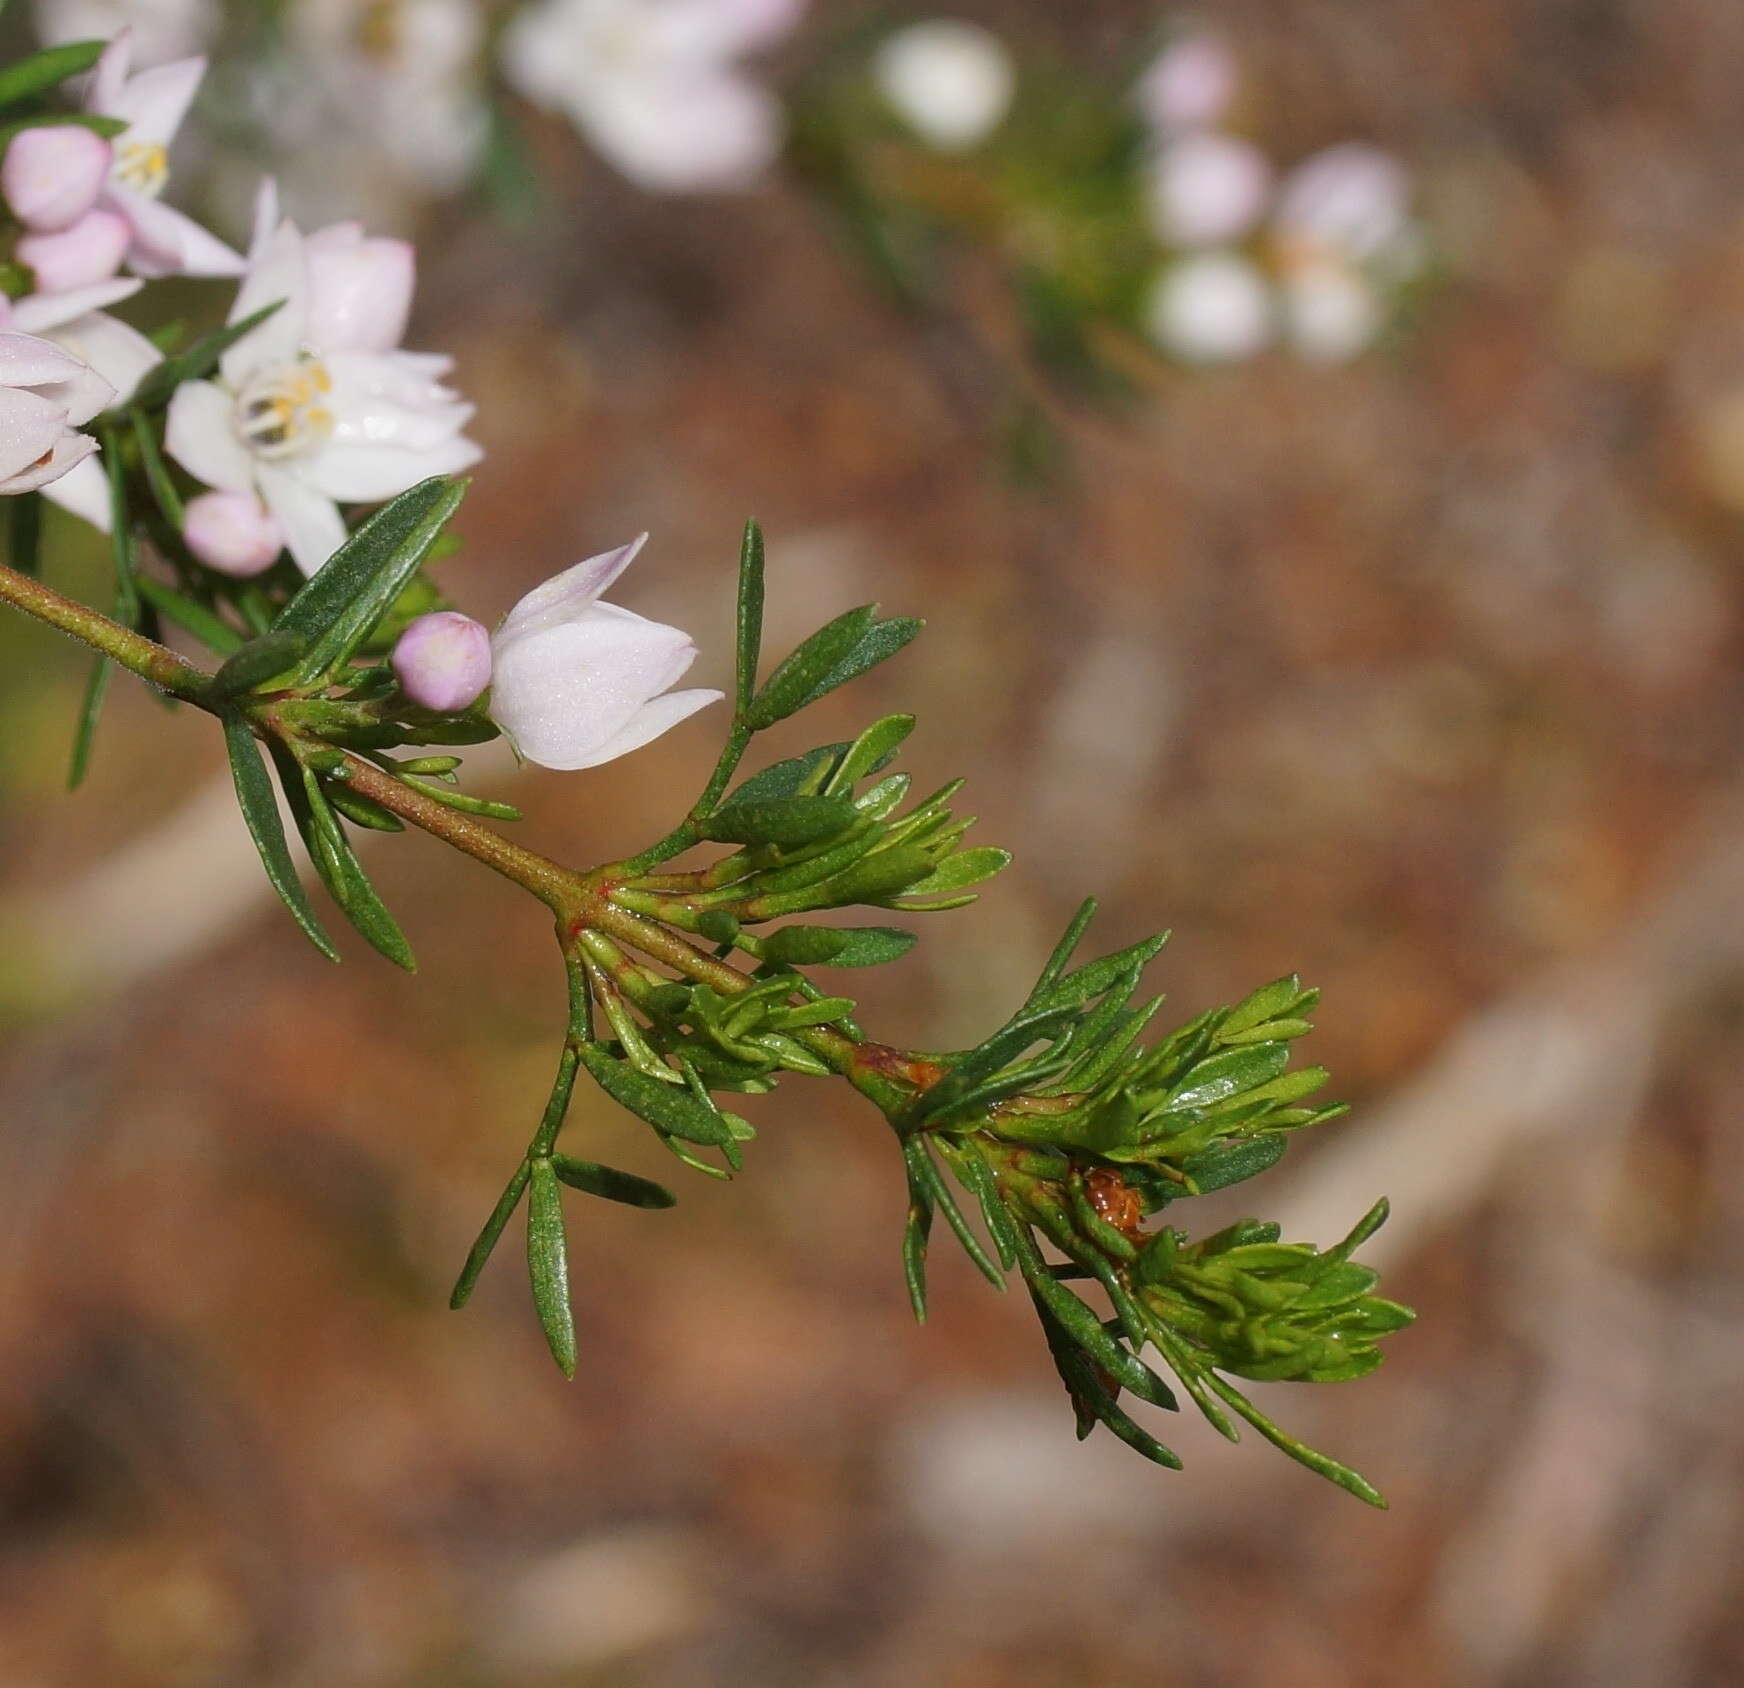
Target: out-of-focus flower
310, 423
443, 661
232, 533
1349, 200
578, 682
51, 175
655, 84
162, 29
90, 251
405, 72
1207, 190
951, 82
45, 393
1330, 311
152, 104
1188, 85
78, 323
1211, 307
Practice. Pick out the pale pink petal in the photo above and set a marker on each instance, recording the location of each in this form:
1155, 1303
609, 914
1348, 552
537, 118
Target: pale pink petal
1206, 190
712, 31
277, 273
82, 256
655, 717
109, 77
51, 175
168, 242
708, 132
41, 312
443, 661
408, 379
82, 396
314, 529
154, 102
30, 424
230, 532
360, 291
67, 452
83, 490
367, 474
572, 591
119, 353
199, 434
26, 361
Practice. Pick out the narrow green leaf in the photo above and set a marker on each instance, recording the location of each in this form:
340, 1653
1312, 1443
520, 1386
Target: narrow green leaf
1231, 1163
1062, 952
209, 628
804, 946
784, 821
980, 1063
157, 474
358, 584
1229, 1073
788, 778
480, 1252
256, 662
871, 751
361, 810
1353, 1482
609, 1183
883, 873
967, 867
870, 946
664, 1106
548, 1264
39, 72
344, 877
915, 1232
944, 1198
750, 617
1265, 1004
195, 362
90, 708
879, 643
1360, 1232
792, 683
260, 812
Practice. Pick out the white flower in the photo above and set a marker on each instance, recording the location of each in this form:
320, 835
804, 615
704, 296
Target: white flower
78, 323
654, 84
162, 29
1206, 189
1188, 85
1349, 201
405, 72
950, 81
577, 682
152, 105
1331, 312
45, 393
318, 407
1212, 307
52, 174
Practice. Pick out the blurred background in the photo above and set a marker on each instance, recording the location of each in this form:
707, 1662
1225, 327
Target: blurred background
1415, 670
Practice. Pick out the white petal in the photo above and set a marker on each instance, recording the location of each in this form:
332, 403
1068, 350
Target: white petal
198, 434
109, 78
43, 311
360, 291
314, 529
649, 722
401, 378
1350, 198
68, 451
572, 591
1206, 190
82, 396
119, 353
712, 31
154, 102
29, 427
277, 272
564, 689
1213, 307
950, 81
367, 474
1330, 312
701, 133
83, 490
27, 361
166, 242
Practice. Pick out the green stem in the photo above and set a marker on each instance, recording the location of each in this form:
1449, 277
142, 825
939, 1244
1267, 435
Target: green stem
151, 661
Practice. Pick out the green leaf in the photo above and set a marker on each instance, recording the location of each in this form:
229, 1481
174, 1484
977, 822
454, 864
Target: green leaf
784, 821
664, 1106
609, 1183
1266, 1003
195, 362
1231, 1163
916, 1229
35, 75
925, 1172
1353, 1482
206, 626
257, 661
839, 651
869, 946
804, 946
871, 751
750, 616
967, 867
480, 1252
789, 777
548, 1264
883, 873
1229, 1074
967, 1076
344, 877
90, 708
358, 584
260, 812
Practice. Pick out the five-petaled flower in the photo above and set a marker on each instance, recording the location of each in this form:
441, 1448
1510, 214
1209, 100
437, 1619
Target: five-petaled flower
319, 406
577, 682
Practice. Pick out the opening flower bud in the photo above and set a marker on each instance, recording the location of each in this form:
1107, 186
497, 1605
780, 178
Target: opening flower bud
232, 533
90, 251
443, 661
51, 176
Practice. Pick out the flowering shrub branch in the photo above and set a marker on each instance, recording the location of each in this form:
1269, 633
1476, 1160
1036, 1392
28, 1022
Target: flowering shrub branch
341, 679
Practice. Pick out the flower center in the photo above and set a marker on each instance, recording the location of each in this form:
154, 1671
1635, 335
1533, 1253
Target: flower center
280, 411
142, 166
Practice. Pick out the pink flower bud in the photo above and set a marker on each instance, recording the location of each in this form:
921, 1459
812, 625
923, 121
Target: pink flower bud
443, 661
360, 289
91, 250
230, 532
51, 176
